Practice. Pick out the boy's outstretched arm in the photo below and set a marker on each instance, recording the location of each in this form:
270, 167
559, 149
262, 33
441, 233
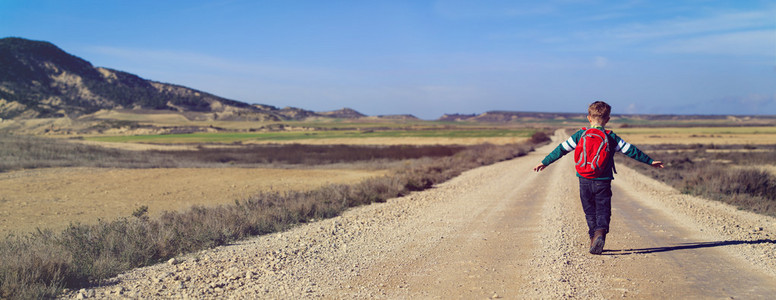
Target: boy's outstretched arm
657, 164
539, 167
559, 151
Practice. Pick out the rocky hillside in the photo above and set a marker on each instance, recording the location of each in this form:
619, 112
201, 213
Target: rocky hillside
40, 80
345, 113
513, 116
507, 116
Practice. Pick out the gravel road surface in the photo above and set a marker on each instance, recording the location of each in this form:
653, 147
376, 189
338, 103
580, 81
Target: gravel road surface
499, 231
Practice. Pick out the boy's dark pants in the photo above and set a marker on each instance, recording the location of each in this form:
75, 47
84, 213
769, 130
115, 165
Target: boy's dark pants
596, 198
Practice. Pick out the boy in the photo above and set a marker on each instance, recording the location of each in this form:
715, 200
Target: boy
594, 156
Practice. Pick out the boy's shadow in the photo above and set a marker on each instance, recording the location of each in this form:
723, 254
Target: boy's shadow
685, 246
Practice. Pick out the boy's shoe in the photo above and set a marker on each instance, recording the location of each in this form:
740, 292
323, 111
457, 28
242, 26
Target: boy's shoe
597, 242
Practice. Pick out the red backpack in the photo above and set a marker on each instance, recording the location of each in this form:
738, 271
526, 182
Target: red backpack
593, 153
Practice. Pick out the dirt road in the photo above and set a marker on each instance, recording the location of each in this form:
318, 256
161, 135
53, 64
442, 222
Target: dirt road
499, 231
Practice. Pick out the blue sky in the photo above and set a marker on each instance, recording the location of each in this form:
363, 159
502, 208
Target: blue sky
428, 58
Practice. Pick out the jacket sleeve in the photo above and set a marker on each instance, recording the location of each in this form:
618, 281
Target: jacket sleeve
563, 149
630, 150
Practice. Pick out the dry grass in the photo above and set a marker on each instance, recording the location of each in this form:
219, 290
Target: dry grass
409, 141
26, 152
734, 174
52, 198
699, 135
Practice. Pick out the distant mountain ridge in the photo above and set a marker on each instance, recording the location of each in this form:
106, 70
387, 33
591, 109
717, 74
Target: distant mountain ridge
498, 116
345, 113
38, 80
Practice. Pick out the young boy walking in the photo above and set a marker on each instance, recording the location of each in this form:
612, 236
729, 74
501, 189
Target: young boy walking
594, 150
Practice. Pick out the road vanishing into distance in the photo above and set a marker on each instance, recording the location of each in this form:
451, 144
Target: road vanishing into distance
499, 231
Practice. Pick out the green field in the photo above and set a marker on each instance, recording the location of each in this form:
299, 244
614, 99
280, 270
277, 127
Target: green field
232, 137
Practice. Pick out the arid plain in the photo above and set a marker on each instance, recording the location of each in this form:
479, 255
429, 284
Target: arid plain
51, 198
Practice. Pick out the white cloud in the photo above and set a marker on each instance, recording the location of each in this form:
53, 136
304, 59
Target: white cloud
749, 104
462, 9
683, 27
730, 33
708, 32
632, 108
181, 60
601, 62
756, 103
761, 42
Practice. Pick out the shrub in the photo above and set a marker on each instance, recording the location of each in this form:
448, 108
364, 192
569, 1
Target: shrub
31, 267
539, 137
140, 211
26, 152
729, 177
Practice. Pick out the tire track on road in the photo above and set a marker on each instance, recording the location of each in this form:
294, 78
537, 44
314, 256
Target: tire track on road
490, 233
653, 254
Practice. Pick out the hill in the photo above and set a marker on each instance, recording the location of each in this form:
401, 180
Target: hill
633, 119
345, 113
40, 80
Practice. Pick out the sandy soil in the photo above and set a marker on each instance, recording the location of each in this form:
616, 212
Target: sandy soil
498, 231
52, 198
138, 146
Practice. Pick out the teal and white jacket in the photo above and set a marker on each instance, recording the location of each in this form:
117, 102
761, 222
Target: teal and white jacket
621, 146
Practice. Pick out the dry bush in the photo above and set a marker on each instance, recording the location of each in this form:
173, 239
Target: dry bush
728, 176
311, 154
750, 189
32, 267
39, 265
26, 152
540, 137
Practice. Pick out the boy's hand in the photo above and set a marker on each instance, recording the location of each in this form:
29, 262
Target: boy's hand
539, 167
657, 164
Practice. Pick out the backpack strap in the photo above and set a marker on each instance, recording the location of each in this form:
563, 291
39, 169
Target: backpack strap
614, 168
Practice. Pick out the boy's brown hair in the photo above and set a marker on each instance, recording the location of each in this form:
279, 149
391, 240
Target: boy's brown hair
599, 111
